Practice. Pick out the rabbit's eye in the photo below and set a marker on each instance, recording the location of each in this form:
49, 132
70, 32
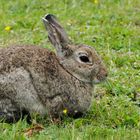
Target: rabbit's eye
84, 59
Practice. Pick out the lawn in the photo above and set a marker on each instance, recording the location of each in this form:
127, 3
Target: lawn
113, 28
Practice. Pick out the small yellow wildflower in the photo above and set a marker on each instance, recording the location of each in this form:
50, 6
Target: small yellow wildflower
65, 111
96, 1
8, 28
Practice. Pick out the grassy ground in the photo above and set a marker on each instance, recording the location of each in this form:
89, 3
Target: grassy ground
113, 27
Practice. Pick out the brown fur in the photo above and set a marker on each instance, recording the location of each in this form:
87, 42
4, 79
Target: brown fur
39, 81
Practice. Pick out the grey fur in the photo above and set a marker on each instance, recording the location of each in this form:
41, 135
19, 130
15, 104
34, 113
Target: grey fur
39, 81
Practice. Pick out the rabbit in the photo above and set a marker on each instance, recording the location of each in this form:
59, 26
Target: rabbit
35, 80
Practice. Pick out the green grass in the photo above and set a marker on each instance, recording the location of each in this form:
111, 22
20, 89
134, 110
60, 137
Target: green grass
113, 27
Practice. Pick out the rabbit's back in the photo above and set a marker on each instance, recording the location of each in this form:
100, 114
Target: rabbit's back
25, 56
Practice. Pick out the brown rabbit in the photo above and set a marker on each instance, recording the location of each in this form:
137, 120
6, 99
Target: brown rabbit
36, 80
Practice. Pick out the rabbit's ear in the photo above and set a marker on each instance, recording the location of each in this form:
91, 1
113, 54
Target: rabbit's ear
56, 33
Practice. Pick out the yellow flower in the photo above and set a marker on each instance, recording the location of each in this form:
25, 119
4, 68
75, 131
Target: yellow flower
95, 1
65, 111
8, 28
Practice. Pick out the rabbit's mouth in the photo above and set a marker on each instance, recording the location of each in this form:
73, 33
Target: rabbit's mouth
96, 81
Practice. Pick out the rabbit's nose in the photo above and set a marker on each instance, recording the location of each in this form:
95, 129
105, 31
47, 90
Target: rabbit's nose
102, 75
